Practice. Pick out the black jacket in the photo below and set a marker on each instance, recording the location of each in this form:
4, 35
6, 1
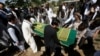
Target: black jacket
50, 36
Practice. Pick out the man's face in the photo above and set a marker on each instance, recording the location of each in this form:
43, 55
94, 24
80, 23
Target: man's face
1, 6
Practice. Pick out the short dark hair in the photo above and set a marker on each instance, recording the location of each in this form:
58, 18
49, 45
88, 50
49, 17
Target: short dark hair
55, 21
11, 17
27, 17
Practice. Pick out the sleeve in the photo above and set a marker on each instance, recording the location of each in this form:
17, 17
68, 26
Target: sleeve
98, 28
68, 20
11, 32
94, 15
55, 38
86, 12
96, 10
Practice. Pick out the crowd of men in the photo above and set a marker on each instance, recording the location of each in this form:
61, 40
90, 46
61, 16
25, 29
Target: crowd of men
16, 25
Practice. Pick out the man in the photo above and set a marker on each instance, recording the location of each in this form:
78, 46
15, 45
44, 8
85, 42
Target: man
3, 14
70, 17
16, 13
49, 12
50, 39
28, 33
15, 33
5, 39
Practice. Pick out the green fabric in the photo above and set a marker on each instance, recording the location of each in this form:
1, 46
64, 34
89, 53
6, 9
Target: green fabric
39, 29
65, 35
71, 39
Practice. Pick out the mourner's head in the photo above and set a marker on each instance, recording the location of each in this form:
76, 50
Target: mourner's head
55, 22
27, 17
12, 19
1, 5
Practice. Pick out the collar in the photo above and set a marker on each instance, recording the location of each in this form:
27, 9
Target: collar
11, 23
27, 21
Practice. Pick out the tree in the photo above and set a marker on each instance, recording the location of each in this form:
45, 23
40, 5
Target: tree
20, 2
38, 2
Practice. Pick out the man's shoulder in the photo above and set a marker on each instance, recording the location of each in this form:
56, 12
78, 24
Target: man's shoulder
48, 26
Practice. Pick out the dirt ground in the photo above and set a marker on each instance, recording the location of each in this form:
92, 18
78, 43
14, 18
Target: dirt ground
86, 51
77, 52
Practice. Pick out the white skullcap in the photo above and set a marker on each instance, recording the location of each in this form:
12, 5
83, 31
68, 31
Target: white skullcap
94, 1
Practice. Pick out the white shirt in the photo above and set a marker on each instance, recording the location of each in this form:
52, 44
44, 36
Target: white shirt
64, 7
27, 31
49, 12
11, 31
71, 17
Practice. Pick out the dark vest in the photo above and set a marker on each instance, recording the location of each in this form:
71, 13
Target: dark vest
5, 38
17, 33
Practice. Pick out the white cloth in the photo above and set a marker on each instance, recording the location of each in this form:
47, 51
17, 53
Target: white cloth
32, 20
38, 18
64, 7
96, 10
27, 32
94, 1
86, 12
50, 14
